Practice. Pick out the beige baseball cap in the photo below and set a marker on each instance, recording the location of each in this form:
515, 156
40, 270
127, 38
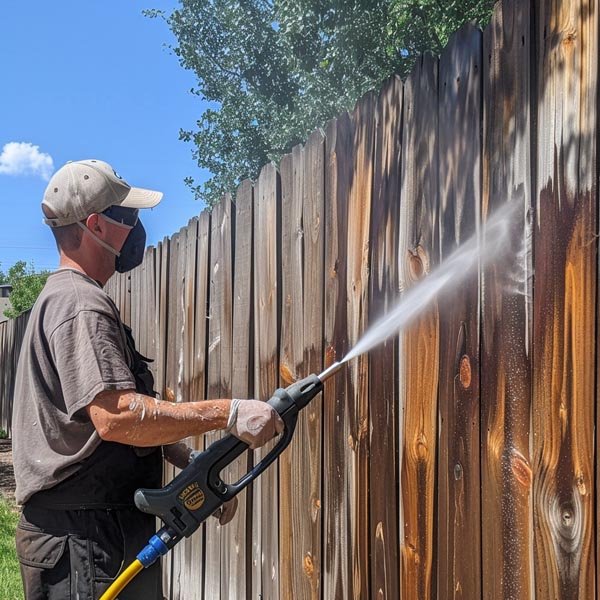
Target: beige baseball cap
84, 187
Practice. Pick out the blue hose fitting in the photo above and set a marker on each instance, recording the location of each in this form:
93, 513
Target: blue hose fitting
155, 548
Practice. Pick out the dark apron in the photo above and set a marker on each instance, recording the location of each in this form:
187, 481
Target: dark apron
110, 476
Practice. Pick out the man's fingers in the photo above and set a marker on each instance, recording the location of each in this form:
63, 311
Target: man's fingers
227, 511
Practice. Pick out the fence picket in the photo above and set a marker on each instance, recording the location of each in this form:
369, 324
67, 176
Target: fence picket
564, 303
506, 328
418, 252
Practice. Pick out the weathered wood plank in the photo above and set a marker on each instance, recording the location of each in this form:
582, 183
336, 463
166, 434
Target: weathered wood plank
384, 473
220, 332
179, 588
265, 547
357, 371
564, 317
236, 557
418, 252
188, 254
198, 384
302, 176
291, 358
306, 469
169, 314
506, 352
161, 314
458, 507
338, 583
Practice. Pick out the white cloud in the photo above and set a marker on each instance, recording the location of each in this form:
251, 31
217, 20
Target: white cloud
23, 158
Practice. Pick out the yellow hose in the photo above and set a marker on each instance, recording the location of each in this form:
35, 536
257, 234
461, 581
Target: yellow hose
119, 584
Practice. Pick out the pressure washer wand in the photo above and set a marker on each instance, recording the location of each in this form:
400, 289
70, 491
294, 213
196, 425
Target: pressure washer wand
198, 491
329, 371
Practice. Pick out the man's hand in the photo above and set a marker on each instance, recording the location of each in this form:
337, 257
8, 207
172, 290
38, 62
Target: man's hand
254, 422
227, 511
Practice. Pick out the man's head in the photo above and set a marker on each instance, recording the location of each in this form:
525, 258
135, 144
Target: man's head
93, 213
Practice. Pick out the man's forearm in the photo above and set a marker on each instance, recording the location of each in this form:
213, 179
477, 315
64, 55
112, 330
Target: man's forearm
131, 418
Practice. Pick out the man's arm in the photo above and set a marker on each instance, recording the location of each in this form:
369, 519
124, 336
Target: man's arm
127, 417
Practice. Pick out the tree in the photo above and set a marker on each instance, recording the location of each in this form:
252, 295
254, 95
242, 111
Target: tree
274, 70
26, 287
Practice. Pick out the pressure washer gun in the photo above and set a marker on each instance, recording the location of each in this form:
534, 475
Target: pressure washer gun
198, 491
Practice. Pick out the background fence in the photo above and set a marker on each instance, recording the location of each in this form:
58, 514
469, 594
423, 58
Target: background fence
458, 459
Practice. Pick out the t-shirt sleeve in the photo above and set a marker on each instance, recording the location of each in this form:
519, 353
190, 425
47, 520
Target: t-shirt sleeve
90, 358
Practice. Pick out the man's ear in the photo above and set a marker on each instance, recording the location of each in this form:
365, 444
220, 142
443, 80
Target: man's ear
94, 223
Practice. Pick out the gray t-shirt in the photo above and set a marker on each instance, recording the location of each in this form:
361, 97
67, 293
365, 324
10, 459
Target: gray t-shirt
74, 348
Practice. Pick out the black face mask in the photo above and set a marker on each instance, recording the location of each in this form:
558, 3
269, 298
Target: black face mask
132, 252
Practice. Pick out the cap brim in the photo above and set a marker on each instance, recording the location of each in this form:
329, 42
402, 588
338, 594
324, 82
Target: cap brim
141, 198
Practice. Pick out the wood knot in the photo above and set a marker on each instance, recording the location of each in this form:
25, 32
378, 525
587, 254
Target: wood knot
417, 263
329, 355
286, 374
465, 372
379, 531
422, 449
580, 483
315, 508
566, 521
458, 471
520, 468
309, 567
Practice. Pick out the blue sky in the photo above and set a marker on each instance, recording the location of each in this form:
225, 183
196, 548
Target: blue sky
90, 79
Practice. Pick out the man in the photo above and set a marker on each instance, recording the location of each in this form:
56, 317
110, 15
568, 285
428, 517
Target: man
87, 429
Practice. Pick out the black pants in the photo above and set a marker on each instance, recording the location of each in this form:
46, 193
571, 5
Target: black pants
77, 553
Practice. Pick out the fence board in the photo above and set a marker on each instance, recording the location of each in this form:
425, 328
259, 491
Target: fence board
459, 487
418, 252
564, 301
337, 565
357, 371
306, 469
506, 351
171, 364
188, 254
384, 481
179, 589
265, 550
220, 324
236, 537
292, 532
197, 547
302, 176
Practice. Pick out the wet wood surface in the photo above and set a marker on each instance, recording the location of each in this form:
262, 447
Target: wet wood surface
291, 351
357, 371
383, 399
564, 316
338, 583
418, 253
459, 486
302, 202
306, 469
507, 320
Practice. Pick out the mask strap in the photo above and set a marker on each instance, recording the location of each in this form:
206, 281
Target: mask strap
117, 223
101, 242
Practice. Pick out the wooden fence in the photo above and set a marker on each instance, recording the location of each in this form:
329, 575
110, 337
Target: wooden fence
457, 460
